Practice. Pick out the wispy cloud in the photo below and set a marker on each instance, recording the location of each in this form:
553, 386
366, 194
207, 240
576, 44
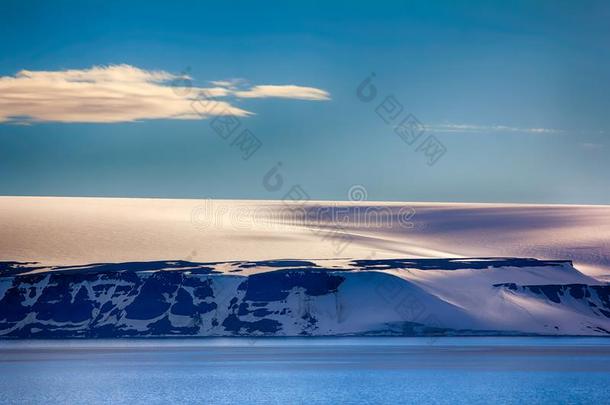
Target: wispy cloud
290, 91
242, 89
470, 128
123, 93
591, 146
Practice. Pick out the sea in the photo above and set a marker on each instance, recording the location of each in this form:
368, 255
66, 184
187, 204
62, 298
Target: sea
341, 370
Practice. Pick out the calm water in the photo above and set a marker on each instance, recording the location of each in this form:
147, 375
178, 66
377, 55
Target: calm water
314, 370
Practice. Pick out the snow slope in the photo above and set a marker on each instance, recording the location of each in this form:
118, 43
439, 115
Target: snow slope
63, 231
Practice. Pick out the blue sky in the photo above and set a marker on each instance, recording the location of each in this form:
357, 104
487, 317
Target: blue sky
517, 95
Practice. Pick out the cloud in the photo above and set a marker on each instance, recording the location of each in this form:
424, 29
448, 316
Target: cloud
289, 91
124, 93
230, 83
469, 128
592, 146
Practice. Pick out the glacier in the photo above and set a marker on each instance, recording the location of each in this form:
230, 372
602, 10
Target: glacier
295, 297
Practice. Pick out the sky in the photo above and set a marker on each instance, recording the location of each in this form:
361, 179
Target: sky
399, 101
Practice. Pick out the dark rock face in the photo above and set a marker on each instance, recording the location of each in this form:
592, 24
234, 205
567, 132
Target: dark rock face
148, 299
596, 297
456, 264
266, 298
276, 285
